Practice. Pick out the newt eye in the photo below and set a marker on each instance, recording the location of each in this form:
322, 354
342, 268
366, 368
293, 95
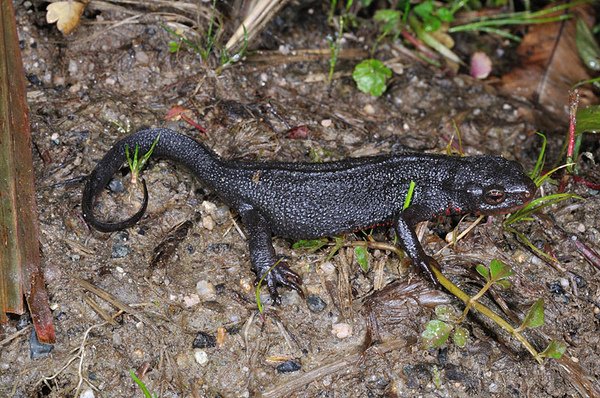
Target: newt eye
494, 196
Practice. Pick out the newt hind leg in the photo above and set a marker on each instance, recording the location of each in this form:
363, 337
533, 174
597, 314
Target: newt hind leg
263, 258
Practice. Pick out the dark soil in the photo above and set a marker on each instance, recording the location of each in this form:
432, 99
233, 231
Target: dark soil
192, 328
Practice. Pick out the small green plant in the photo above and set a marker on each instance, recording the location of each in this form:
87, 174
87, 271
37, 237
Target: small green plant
141, 385
336, 44
437, 331
208, 45
371, 76
135, 163
536, 205
495, 23
433, 15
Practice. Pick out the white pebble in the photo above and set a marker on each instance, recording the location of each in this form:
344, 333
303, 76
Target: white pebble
73, 67
206, 291
341, 330
208, 223
201, 356
191, 300
326, 122
89, 393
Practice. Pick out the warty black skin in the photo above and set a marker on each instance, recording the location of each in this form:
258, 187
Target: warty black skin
310, 200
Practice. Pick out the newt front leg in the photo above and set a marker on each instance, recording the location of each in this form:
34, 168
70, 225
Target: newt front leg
404, 225
262, 255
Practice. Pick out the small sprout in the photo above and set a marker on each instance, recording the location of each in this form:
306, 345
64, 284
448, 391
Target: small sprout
409, 195
534, 317
460, 336
437, 377
141, 385
135, 163
174, 46
554, 350
436, 333
496, 272
362, 257
370, 76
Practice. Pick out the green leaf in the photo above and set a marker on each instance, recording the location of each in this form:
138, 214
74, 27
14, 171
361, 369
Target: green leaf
587, 46
483, 271
362, 257
424, 9
445, 313
370, 76
504, 283
174, 46
499, 270
445, 15
460, 337
588, 120
312, 244
140, 384
540, 160
436, 333
554, 350
431, 23
535, 315
388, 19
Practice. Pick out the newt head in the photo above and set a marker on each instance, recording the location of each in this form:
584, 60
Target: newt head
492, 185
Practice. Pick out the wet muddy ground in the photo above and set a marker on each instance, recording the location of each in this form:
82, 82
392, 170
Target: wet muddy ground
191, 326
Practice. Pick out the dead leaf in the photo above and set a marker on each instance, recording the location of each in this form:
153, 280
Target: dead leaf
66, 14
550, 64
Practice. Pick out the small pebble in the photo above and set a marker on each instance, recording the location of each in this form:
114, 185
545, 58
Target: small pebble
89, 393
38, 349
204, 340
326, 122
341, 330
120, 250
208, 207
208, 223
191, 300
328, 268
315, 303
73, 67
116, 186
206, 290
142, 58
201, 357
369, 109
288, 367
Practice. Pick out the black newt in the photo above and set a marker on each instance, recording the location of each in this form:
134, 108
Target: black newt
310, 200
